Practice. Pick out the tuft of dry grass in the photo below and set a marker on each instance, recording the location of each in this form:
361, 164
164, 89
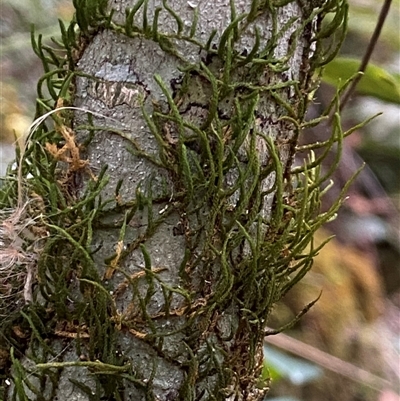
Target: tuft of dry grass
17, 257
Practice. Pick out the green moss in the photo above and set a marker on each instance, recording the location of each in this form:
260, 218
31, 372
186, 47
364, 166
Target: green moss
256, 258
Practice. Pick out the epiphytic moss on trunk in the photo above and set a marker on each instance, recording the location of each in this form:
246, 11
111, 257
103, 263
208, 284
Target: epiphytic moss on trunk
246, 216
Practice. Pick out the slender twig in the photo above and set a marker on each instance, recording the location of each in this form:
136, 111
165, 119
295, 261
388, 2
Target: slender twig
328, 361
371, 46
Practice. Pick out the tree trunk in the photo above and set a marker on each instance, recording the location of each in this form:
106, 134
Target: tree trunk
170, 217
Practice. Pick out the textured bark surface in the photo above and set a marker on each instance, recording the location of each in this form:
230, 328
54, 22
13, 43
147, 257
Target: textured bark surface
180, 342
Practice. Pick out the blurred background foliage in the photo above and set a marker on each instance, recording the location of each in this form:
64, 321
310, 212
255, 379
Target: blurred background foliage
357, 317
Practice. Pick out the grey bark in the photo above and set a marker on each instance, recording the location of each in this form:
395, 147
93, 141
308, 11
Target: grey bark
119, 74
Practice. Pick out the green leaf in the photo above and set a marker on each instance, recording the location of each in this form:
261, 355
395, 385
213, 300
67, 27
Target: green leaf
375, 82
298, 371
